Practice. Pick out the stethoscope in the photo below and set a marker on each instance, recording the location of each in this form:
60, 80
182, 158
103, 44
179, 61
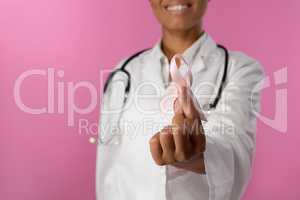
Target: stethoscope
123, 70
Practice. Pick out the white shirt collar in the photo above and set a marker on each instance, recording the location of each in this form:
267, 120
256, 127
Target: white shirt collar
200, 49
202, 46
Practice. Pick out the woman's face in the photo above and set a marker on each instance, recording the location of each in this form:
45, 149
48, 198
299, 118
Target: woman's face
179, 15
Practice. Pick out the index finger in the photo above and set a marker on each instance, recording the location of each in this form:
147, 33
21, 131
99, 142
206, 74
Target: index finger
188, 103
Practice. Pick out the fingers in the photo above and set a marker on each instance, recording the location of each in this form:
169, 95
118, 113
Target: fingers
193, 114
179, 142
172, 144
181, 138
156, 150
167, 145
185, 138
197, 136
162, 147
177, 108
188, 103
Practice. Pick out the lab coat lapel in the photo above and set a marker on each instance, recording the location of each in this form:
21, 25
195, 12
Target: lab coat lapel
207, 69
152, 72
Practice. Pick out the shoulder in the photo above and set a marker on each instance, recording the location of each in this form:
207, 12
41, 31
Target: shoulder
242, 65
137, 58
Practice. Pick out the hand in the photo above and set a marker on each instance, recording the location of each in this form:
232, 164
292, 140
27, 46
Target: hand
181, 144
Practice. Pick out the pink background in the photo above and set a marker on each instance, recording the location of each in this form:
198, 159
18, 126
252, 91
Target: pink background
42, 158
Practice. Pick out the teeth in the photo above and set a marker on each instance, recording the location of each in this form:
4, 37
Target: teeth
177, 7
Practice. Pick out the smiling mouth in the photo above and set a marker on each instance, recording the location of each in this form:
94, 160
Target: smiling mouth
178, 8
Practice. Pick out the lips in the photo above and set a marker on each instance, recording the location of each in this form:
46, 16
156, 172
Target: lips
177, 8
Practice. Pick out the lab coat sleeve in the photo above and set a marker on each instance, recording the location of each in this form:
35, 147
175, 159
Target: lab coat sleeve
230, 130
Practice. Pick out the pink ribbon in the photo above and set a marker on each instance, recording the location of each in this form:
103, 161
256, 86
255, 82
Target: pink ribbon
180, 71
182, 76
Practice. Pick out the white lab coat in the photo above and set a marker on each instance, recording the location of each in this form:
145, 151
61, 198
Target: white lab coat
125, 168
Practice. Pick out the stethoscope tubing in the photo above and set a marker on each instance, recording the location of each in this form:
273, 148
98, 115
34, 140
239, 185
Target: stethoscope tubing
122, 69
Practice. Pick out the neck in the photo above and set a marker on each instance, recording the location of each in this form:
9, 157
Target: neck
174, 42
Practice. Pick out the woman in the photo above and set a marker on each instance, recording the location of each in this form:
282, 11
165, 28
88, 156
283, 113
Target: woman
158, 155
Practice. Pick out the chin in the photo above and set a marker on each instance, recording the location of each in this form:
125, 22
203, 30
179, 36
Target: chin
178, 26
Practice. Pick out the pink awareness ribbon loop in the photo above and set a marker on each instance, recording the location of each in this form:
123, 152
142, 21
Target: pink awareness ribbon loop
180, 71
182, 76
